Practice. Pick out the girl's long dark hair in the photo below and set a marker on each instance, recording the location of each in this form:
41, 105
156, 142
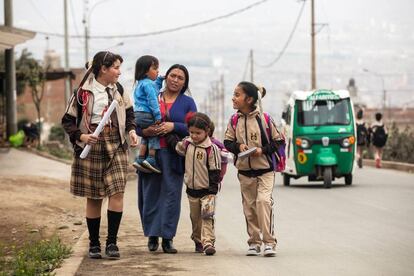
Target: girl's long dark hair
252, 90
103, 58
143, 65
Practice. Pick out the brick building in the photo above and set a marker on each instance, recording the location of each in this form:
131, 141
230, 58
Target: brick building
53, 102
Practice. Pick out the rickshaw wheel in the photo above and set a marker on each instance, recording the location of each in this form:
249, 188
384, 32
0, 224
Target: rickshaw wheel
327, 177
348, 179
286, 179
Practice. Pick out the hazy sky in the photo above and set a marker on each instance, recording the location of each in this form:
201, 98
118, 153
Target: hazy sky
374, 34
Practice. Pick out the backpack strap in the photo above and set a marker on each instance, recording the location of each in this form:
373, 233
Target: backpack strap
120, 88
268, 130
83, 98
234, 119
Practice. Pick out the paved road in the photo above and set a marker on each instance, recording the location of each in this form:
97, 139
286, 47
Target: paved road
364, 229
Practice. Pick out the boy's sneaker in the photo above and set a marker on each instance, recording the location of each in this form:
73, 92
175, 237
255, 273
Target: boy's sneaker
209, 250
138, 165
112, 251
254, 250
141, 168
199, 247
269, 251
150, 163
95, 252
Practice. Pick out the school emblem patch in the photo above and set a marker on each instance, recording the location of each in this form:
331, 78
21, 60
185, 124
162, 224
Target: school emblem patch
199, 155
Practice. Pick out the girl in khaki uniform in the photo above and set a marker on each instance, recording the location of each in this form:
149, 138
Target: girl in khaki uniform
255, 172
202, 177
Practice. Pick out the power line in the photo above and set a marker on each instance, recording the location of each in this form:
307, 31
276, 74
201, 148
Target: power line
72, 13
188, 26
41, 15
287, 42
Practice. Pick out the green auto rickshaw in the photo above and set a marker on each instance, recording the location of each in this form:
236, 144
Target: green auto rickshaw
320, 134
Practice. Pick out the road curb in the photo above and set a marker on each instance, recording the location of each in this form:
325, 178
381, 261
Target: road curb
71, 265
405, 167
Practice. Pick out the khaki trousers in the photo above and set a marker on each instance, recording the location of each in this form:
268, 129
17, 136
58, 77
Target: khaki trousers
258, 207
203, 228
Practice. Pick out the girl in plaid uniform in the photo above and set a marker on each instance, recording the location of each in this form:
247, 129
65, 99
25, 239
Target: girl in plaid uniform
103, 172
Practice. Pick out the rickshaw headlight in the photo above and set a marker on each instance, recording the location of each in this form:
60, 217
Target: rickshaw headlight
303, 143
346, 143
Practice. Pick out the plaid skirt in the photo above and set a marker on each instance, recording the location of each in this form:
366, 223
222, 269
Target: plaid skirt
103, 172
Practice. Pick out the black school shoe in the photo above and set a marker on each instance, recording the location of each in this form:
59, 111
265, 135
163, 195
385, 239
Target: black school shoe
168, 247
95, 252
153, 243
112, 251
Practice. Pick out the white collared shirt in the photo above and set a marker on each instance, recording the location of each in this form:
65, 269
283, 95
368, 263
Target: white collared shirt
101, 100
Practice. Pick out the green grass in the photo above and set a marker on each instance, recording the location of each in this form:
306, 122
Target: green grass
63, 153
34, 258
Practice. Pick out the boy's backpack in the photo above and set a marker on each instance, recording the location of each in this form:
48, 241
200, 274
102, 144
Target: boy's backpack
223, 154
362, 134
277, 158
83, 98
379, 138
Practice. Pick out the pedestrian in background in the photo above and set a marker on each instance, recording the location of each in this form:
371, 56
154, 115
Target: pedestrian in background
202, 178
159, 195
255, 172
379, 136
103, 172
362, 136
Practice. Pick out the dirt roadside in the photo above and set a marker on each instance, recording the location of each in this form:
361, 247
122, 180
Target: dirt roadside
36, 207
35, 200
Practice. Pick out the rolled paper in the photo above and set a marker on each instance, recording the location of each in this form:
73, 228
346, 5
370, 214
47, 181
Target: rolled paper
101, 125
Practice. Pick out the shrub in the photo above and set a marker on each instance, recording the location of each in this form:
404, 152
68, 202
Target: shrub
399, 145
35, 258
57, 133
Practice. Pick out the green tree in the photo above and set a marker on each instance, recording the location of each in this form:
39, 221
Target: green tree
34, 76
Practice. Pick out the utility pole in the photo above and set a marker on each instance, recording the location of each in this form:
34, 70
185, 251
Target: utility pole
251, 66
85, 23
67, 80
221, 123
313, 34
10, 75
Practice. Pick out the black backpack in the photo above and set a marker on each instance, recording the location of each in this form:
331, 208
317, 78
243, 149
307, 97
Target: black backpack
362, 134
79, 103
379, 138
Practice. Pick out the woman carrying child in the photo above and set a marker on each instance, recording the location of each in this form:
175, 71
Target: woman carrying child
255, 171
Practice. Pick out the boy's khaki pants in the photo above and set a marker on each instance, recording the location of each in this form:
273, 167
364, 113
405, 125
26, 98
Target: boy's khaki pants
258, 207
203, 228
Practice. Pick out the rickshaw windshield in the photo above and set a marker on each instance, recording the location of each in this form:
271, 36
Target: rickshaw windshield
323, 112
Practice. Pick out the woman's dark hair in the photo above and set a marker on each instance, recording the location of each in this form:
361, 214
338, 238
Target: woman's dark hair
359, 114
251, 90
199, 120
378, 116
103, 58
143, 65
184, 69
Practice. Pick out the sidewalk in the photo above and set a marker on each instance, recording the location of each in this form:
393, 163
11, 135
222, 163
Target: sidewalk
135, 258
